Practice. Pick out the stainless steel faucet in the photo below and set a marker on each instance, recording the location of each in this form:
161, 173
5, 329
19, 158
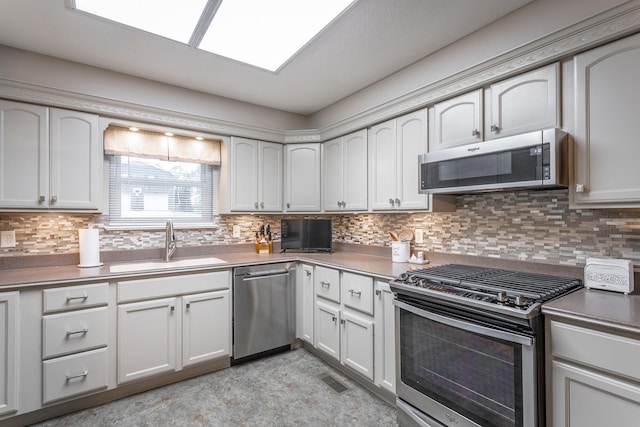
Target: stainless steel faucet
170, 241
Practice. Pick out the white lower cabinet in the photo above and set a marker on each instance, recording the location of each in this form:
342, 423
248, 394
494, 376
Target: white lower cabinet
304, 303
385, 341
595, 380
9, 352
341, 330
176, 329
75, 341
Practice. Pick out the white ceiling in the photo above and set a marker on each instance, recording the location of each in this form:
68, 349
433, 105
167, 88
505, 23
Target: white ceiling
372, 40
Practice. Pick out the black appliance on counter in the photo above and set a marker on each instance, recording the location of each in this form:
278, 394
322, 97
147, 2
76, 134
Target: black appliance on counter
470, 345
306, 234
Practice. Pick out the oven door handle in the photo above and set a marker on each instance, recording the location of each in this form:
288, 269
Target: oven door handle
471, 327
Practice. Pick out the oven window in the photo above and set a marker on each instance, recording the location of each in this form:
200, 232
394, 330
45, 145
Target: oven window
477, 376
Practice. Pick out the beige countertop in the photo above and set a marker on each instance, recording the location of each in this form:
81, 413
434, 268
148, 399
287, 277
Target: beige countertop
600, 308
378, 266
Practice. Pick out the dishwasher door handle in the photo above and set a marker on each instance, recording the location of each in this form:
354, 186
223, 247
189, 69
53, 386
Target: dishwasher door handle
268, 276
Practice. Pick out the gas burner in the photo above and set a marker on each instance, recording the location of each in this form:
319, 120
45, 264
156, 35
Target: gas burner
493, 289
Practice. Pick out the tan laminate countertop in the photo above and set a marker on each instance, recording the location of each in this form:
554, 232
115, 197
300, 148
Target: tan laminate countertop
599, 308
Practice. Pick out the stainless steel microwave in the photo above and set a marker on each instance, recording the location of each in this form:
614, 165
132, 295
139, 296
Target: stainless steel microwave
532, 160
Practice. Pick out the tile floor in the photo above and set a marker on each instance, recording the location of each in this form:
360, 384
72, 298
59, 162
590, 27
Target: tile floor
281, 390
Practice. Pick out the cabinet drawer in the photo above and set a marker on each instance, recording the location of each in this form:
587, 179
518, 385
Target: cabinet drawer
356, 291
327, 283
76, 374
159, 287
599, 349
65, 333
73, 297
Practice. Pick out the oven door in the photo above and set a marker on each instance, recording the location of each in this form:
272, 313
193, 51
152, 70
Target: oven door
459, 372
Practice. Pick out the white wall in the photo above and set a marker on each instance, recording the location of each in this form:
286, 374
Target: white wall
22, 66
535, 20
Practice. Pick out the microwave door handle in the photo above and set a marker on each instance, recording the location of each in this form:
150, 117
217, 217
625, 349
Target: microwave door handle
470, 327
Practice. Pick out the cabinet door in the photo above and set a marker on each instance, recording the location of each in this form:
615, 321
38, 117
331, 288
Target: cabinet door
458, 121
606, 140
206, 328
302, 179
327, 329
356, 344
24, 156
333, 175
305, 296
524, 103
76, 161
146, 338
385, 344
8, 352
411, 140
585, 398
355, 171
270, 179
382, 165
244, 174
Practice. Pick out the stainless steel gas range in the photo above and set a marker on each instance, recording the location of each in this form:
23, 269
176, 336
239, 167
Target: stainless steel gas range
470, 345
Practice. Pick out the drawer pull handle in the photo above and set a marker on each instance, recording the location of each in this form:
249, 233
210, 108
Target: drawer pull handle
83, 297
325, 284
81, 331
352, 292
82, 375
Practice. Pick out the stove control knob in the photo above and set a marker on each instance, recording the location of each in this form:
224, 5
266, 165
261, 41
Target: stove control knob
520, 301
502, 296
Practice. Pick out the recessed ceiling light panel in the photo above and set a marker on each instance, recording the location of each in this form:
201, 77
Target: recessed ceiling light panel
173, 19
267, 33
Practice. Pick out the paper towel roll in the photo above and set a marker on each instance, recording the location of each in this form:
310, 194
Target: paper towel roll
89, 247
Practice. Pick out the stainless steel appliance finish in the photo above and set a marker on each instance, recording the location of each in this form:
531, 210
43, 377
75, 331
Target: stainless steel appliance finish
470, 345
263, 309
534, 159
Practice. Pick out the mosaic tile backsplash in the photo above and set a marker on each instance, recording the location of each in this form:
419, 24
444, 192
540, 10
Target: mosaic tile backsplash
526, 225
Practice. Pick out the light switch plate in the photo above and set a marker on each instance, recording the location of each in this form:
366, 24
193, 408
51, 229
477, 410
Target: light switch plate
236, 231
8, 239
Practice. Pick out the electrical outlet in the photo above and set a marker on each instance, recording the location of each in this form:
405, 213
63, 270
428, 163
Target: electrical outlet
7, 239
236, 231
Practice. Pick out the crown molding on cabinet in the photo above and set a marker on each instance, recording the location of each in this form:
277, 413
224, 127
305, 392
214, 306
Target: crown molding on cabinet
36, 94
607, 26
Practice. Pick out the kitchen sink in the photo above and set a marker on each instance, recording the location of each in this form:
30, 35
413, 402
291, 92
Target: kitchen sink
163, 265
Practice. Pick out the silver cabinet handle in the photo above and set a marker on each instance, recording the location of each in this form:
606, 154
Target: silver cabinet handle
378, 292
256, 205
81, 331
308, 273
475, 132
333, 319
353, 292
325, 284
54, 199
288, 205
262, 205
83, 297
41, 199
343, 323
391, 202
188, 305
494, 128
82, 375
398, 202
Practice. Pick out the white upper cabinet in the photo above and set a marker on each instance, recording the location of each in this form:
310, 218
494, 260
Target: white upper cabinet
345, 173
302, 177
457, 121
49, 166
394, 147
606, 142
256, 176
524, 103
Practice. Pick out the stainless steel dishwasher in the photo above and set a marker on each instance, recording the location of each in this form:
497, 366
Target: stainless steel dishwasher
263, 310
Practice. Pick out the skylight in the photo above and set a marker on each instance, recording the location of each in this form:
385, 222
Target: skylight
263, 33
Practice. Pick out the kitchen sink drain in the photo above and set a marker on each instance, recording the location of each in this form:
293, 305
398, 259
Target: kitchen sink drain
336, 385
